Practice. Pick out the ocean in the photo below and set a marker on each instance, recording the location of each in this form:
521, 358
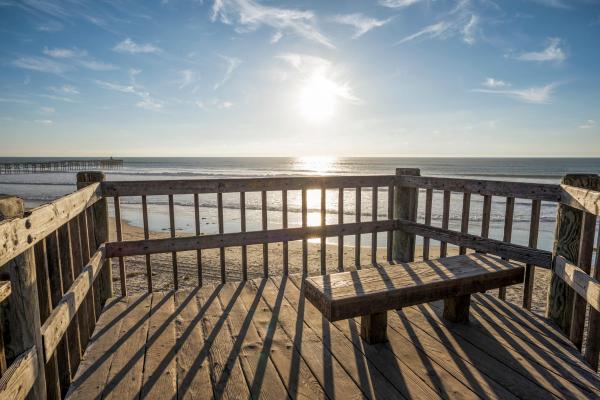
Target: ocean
40, 188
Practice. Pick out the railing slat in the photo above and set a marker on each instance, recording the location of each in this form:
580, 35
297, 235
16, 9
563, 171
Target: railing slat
18, 380
374, 209
428, 206
243, 229
390, 215
340, 247
197, 225
265, 246
534, 227
507, 236
445, 218
147, 236
323, 223
284, 224
357, 212
592, 346
464, 221
122, 274
220, 223
304, 242
172, 232
84, 330
485, 215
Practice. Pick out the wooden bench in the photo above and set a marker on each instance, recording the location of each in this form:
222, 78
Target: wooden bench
370, 293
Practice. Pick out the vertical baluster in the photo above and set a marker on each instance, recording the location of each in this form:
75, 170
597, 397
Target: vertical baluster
358, 213
323, 238
122, 273
485, 218
147, 236
263, 196
390, 216
445, 218
464, 222
85, 248
428, 205
284, 223
304, 241
340, 222
221, 231
243, 229
374, 209
91, 237
584, 261
197, 224
507, 237
592, 347
76, 256
172, 232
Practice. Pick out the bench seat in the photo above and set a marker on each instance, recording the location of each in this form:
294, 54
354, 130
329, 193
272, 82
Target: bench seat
371, 292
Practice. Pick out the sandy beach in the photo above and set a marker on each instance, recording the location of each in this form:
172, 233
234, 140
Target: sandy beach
162, 267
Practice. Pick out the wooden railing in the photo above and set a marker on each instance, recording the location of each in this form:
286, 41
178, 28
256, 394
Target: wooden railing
57, 256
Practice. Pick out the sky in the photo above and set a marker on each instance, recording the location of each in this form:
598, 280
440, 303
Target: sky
300, 78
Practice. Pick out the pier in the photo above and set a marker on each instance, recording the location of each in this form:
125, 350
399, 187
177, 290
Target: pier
59, 166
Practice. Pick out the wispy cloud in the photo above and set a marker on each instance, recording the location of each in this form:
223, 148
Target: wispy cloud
361, 23
146, 101
232, 64
50, 26
214, 104
249, 15
553, 3
534, 95
64, 53
553, 52
186, 77
40, 64
44, 121
47, 110
469, 29
494, 83
131, 47
589, 124
79, 58
398, 3
64, 89
149, 103
116, 87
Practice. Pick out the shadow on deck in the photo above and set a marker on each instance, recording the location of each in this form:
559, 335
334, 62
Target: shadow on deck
262, 339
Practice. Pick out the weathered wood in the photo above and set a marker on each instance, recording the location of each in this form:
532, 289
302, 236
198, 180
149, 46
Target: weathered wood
374, 210
190, 186
4, 290
456, 309
485, 216
284, 225
445, 218
197, 226
373, 327
511, 251
265, 246
566, 243
349, 294
22, 232
358, 220
172, 232
95, 291
578, 279
390, 215
101, 230
521, 190
304, 225
19, 380
147, 236
340, 238
21, 313
153, 246
428, 206
221, 226
405, 207
507, 235
592, 347
243, 229
66, 307
322, 240
464, 221
587, 200
85, 332
534, 227
90, 311
122, 271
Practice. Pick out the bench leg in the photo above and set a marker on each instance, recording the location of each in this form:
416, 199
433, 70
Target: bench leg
373, 328
456, 309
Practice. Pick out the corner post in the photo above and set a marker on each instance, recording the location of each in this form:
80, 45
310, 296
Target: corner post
22, 317
566, 243
100, 213
405, 207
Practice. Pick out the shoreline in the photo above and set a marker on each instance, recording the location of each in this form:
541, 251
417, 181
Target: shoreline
162, 267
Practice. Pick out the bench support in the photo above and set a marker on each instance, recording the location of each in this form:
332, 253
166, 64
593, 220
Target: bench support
373, 327
456, 309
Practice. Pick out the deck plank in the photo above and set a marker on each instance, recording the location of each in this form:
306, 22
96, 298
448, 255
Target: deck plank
226, 372
160, 366
125, 377
295, 373
193, 371
261, 375
94, 367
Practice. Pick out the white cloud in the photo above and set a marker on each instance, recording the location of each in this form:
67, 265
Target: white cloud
44, 121
131, 47
232, 64
397, 3
361, 23
79, 57
186, 78
40, 64
249, 15
47, 110
534, 95
431, 31
276, 37
214, 104
494, 83
64, 53
553, 52
469, 29
64, 89
589, 124
149, 104
96, 65
50, 26
552, 3
224, 105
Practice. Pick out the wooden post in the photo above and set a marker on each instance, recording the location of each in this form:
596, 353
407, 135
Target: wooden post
100, 213
22, 316
373, 328
566, 243
456, 309
405, 207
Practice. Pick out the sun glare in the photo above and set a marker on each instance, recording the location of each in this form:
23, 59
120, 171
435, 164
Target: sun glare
318, 98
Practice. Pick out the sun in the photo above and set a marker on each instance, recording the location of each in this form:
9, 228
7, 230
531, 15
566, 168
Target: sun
317, 99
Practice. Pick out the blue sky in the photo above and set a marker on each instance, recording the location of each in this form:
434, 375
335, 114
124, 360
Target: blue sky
267, 78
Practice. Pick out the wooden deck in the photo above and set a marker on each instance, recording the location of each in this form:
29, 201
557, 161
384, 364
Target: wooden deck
262, 339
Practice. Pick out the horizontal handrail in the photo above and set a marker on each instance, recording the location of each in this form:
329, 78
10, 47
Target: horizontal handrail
58, 321
232, 185
20, 377
586, 286
582, 199
20, 234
